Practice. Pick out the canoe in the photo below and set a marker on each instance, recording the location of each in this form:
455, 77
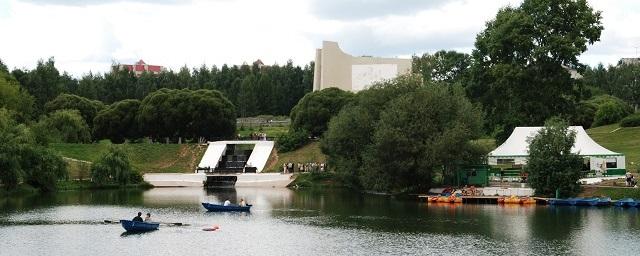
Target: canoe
527, 201
229, 208
601, 202
137, 226
512, 200
627, 202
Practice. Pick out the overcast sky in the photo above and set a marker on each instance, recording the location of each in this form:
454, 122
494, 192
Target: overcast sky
89, 35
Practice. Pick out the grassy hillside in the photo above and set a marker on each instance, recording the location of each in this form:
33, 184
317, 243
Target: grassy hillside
307, 154
621, 140
144, 157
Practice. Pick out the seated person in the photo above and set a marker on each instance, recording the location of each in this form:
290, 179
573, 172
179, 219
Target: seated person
242, 203
138, 218
227, 202
148, 218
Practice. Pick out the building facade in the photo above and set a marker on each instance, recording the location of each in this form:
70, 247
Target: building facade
334, 68
140, 67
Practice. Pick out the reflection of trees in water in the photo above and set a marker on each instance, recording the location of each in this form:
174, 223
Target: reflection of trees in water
557, 222
219, 195
78, 197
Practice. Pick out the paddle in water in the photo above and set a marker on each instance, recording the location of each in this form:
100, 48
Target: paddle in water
214, 228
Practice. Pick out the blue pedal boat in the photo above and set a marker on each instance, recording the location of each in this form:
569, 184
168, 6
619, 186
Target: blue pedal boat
605, 201
557, 201
579, 201
229, 208
627, 202
137, 226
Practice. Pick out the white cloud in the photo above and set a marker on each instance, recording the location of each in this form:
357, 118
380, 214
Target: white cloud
84, 37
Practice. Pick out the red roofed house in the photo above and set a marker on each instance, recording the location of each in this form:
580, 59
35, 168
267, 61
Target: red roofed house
141, 67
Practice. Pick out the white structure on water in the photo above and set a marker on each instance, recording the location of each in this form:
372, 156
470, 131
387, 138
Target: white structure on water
515, 150
258, 158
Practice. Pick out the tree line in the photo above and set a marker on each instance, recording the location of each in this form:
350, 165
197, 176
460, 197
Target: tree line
253, 89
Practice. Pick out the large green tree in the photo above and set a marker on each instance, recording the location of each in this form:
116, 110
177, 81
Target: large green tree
551, 165
445, 66
398, 135
519, 70
119, 121
186, 113
313, 112
63, 126
88, 108
14, 98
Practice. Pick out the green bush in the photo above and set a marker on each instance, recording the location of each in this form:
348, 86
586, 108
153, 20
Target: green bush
292, 140
113, 167
631, 121
609, 113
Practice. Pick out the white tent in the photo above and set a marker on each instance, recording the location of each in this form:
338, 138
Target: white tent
515, 150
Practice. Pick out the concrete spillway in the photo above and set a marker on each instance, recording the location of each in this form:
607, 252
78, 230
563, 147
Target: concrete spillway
258, 158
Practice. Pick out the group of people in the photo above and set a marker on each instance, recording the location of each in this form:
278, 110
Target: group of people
139, 217
242, 202
629, 180
300, 167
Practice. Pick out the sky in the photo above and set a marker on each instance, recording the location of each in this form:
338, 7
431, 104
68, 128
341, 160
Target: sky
90, 35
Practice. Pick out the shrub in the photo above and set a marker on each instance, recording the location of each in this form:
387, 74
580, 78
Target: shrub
609, 113
292, 140
112, 167
631, 121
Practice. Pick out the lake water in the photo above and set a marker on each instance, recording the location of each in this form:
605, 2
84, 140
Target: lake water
306, 222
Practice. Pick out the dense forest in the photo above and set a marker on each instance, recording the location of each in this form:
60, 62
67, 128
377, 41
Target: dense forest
253, 89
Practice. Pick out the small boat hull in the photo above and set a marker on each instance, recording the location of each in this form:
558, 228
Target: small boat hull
556, 201
627, 202
222, 208
137, 226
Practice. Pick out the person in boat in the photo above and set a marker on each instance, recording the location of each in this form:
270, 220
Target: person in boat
227, 202
148, 218
242, 203
138, 218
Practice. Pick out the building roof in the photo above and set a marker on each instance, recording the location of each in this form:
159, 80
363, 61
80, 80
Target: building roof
517, 144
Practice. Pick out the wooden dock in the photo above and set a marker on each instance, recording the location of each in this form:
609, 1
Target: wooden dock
483, 199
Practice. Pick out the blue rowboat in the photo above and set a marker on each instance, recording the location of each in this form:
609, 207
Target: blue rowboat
137, 226
627, 202
557, 201
228, 208
579, 201
601, 202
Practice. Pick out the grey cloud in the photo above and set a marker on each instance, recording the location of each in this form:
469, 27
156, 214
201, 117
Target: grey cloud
362, 9
100, 2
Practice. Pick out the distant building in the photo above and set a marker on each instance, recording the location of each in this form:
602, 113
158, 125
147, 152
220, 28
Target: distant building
258, 63
334, 68
140, 67
630, 61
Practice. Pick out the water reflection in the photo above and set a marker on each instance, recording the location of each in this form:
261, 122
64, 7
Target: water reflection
285, 222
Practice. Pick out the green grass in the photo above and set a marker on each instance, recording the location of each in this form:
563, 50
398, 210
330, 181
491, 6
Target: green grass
307, 154
626, 140
144, 157
615, 193
271, 131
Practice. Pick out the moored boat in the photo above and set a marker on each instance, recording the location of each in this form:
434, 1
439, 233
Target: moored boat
579, 201
627, 202
601, 202
527, 200
229, 208
137, 226
558, 201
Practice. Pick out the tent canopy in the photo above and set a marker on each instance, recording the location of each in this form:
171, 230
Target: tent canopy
517, 146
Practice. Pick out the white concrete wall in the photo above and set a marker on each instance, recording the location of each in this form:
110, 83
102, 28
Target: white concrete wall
258, 158
175, 179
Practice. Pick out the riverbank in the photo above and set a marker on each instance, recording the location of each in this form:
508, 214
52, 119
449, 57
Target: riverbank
317, 180
614, 192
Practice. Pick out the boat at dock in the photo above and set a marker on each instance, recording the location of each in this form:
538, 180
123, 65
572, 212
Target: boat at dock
229, 208
137, 226
627, 202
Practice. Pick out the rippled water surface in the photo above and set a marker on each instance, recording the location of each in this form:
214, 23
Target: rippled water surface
305, 222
